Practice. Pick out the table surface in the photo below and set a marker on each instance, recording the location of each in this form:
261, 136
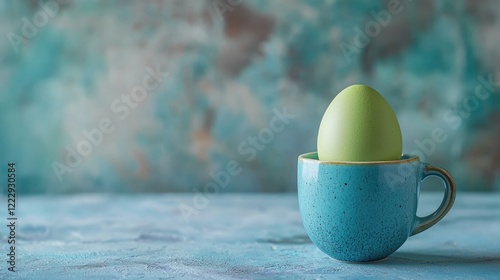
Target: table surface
250, 236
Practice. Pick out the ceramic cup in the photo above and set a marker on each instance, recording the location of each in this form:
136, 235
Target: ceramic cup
365, 211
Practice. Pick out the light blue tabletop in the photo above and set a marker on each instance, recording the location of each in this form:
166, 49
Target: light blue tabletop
237, 236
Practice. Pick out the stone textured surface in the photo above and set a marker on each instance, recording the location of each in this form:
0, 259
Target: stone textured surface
226, 76
234, 237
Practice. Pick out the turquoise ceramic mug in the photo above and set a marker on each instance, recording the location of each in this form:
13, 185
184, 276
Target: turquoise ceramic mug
365, 211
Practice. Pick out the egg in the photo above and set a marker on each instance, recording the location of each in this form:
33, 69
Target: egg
359, 125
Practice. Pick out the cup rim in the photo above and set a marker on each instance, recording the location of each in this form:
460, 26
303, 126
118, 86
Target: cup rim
405, 158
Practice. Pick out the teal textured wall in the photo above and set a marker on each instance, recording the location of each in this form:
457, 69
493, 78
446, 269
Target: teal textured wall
175, 95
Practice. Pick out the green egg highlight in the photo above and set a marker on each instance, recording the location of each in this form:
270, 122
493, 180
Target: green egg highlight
359, 125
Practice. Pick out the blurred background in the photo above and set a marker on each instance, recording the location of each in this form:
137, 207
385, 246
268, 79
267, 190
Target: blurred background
163, 96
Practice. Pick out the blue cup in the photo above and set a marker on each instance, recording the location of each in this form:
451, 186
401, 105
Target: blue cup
365, 211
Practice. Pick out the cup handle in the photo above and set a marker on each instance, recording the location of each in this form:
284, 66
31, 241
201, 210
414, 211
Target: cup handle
448, 198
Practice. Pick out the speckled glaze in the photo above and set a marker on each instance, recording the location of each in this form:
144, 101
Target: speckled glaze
364, 211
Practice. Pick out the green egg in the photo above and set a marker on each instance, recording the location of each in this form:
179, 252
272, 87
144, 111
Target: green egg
359, 125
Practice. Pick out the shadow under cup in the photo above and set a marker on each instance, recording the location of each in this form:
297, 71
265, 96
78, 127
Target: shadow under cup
365, 211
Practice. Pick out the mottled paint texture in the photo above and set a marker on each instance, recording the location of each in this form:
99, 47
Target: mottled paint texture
225, 77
